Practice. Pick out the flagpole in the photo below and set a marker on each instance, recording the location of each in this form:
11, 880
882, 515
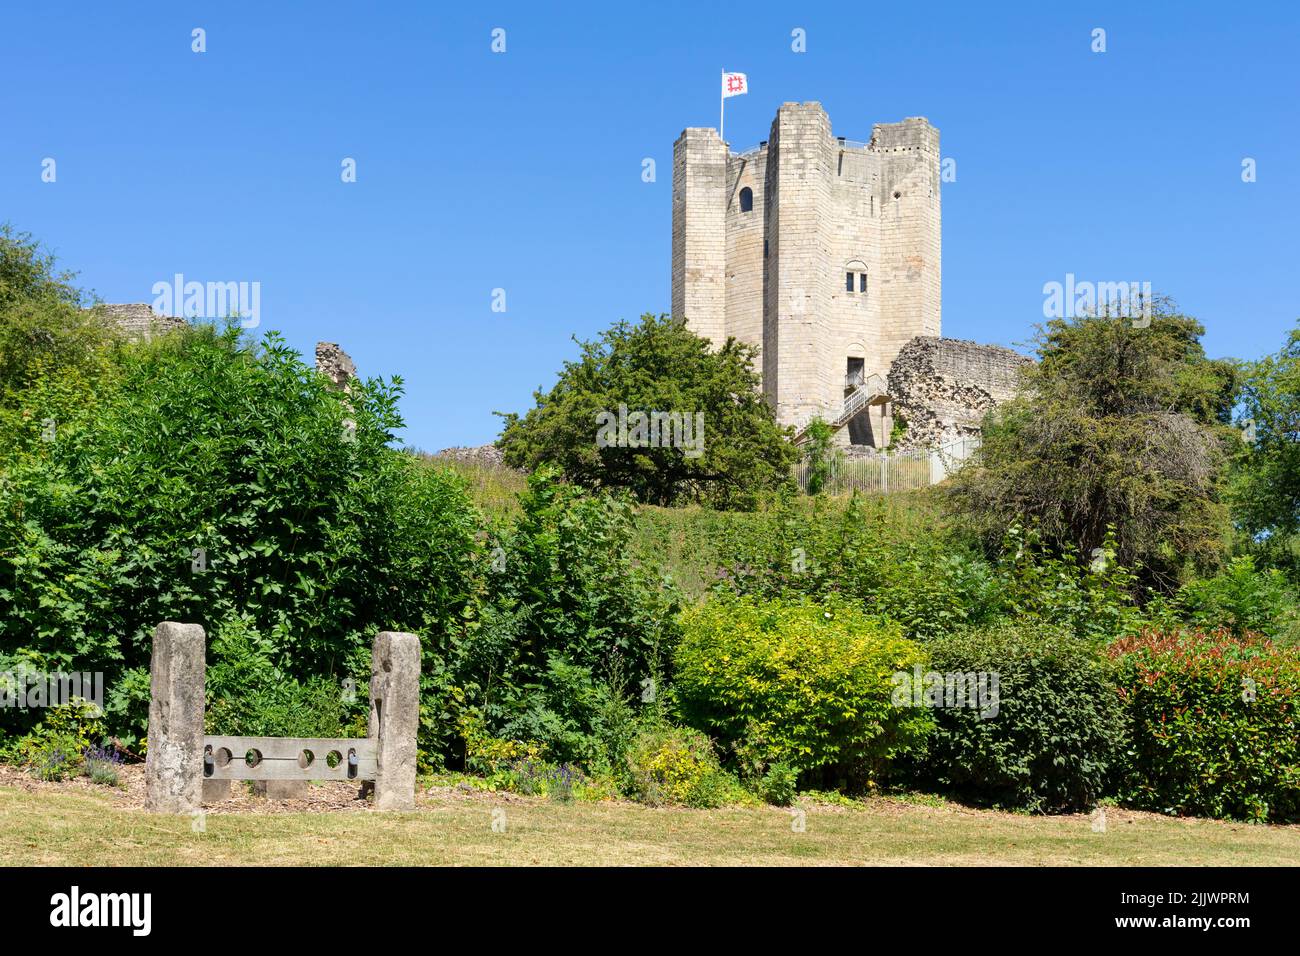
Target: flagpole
722, 104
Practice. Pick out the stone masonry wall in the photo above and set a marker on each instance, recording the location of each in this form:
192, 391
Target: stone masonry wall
699, 255
944, 387
335, 364
746, 233
489, 456
137, 320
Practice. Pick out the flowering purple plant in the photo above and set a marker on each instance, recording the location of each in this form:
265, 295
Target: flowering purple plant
103, 755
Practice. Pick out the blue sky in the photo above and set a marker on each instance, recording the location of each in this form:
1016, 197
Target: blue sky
522, 170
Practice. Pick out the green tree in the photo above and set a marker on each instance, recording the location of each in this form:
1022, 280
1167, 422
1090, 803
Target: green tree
43, 330
730, 447
1266, 486
820, 454
1118, 425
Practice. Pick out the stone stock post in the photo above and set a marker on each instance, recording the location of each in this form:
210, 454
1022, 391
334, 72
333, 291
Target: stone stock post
395, 717
174, 762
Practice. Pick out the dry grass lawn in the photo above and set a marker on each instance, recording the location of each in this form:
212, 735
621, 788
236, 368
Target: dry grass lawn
43, 824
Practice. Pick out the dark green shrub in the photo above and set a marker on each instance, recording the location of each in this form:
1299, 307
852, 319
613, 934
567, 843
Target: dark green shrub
931, 591
779, 784
572, 624
1213, 725
798, 683
893, 558
1092, 599
248, 695
1057, 731
566, 715
820, 454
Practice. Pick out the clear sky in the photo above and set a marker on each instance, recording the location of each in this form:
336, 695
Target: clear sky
522, 170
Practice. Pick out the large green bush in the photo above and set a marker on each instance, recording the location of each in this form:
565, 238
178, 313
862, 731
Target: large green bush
1092, 599
225, 482
1117, 426
1213, 725
894, 557
215, 480
1056, 734
798, 684
898, 559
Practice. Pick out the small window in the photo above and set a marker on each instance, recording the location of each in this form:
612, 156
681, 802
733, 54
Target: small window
746, 200
862, 282
848, 282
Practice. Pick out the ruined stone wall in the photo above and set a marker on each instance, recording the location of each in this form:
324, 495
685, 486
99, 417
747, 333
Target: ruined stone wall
489, 456
335, 364
943, 387
137, 320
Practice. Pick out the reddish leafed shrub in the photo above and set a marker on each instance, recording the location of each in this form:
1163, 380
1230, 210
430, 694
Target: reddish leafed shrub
1212, 724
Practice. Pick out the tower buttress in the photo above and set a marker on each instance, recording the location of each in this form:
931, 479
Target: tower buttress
699, 233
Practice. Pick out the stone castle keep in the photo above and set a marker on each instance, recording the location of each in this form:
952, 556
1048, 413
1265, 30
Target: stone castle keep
823, 254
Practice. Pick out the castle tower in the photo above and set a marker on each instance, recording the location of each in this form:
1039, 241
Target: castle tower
824, 254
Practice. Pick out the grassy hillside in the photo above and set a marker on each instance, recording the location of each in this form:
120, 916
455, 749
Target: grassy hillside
694, 543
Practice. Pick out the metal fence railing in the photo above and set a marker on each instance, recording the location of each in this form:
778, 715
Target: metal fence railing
890, 471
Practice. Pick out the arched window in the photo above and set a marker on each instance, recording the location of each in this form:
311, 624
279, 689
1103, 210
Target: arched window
746, 200
855, 276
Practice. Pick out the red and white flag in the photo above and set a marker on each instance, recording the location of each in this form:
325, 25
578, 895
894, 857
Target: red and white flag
734, 84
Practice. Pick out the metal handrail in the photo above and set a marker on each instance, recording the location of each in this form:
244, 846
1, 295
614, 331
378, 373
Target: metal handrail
857, 399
